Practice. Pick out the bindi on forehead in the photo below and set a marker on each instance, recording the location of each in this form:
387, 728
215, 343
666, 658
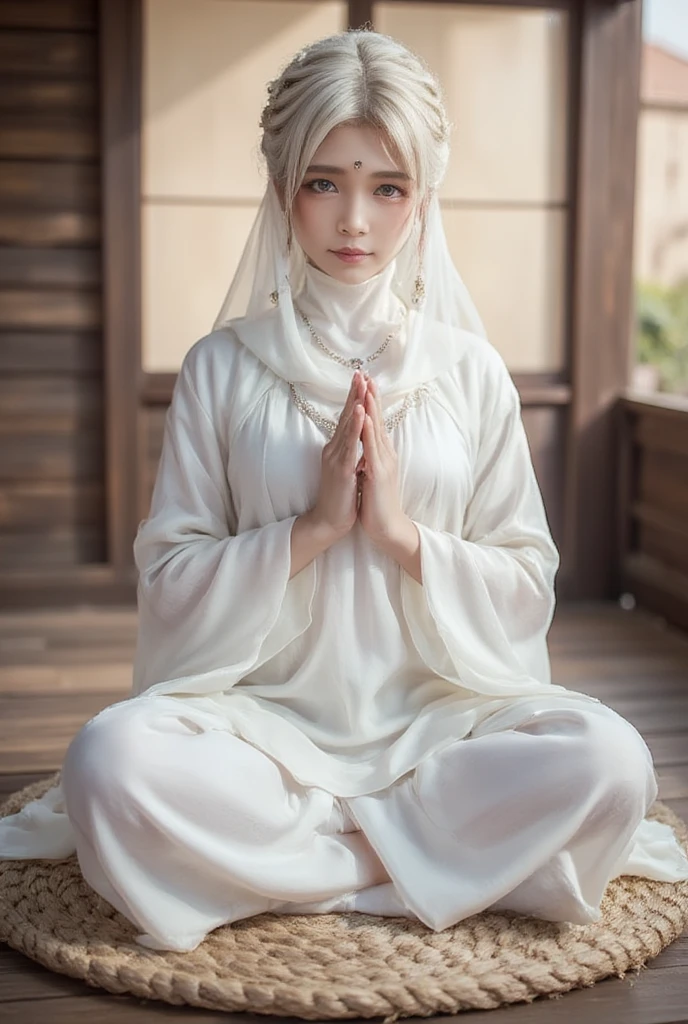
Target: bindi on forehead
392, 174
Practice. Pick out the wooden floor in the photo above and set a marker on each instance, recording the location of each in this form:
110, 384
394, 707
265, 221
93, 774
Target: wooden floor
59, 669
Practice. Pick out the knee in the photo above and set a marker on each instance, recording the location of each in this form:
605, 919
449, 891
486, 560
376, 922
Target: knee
105, 754
614, 756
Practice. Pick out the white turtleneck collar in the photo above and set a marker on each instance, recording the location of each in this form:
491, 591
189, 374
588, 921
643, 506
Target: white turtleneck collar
346, 315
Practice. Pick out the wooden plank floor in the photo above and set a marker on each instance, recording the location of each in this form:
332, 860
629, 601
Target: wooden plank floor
57, 669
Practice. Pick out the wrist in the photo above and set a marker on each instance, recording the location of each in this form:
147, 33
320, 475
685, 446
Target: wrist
401, 535
322, 534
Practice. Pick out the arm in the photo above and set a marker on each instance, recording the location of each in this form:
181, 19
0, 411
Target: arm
212, 604
403, 545
308, 540
482, 615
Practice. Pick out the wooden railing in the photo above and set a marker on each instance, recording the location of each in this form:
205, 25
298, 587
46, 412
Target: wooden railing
653, 503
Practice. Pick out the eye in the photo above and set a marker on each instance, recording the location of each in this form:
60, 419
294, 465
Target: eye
391, 195
319, 185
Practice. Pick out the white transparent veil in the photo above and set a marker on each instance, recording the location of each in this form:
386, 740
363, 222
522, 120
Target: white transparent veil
259, 309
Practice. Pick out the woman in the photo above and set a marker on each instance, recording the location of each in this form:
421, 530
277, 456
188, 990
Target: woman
342, 698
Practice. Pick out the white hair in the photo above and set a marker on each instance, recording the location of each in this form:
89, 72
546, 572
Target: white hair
355, 77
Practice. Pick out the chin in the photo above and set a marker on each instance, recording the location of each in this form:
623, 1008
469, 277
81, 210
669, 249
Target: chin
351, 273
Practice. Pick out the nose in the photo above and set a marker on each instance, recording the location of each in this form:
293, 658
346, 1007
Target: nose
353, 219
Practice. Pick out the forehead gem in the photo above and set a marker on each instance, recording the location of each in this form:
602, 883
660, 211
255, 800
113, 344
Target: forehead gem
358, 164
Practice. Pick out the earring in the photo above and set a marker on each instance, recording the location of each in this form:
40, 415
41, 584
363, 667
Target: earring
418, 291
274, 298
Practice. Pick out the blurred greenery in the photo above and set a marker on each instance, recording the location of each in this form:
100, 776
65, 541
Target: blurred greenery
662, 332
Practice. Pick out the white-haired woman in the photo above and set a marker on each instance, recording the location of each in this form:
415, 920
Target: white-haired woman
342, 698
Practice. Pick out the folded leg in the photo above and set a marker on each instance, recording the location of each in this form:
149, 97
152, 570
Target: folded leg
533, 812
183, 826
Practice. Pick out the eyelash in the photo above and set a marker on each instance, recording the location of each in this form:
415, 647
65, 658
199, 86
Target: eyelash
319, 181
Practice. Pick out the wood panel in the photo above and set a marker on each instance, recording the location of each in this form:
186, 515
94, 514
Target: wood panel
52, 514
36, 268
51, 352
41, 403
74, 504
653, 504
51, 97
55, 14
50, 185
52, 54
73, 456
51, 545
608, 93
63, 310
93, 585
663, 483
37, 137
120, 28
49, 228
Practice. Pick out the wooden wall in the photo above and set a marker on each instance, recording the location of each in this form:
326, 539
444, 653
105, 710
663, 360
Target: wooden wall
653, 505
51, 390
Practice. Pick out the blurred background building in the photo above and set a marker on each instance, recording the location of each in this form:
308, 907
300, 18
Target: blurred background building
661, 235
129, 177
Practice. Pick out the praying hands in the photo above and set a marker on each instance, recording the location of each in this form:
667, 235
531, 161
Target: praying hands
379, 511
364, 490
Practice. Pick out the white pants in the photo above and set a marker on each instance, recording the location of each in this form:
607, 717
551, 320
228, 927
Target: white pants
183, 828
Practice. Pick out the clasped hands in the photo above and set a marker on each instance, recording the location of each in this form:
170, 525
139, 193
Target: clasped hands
366, 488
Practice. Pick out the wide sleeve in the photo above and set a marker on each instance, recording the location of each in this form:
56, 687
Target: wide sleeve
481, 616
213, 604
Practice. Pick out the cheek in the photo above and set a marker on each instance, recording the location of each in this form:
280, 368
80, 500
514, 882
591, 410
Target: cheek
305, 217
400, 222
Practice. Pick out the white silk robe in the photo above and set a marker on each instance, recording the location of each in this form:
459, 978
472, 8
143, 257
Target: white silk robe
351, 674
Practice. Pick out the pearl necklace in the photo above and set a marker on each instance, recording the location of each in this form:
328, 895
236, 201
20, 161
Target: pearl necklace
352, 364
328, 426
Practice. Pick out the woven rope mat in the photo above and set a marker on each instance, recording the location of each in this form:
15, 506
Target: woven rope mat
336, 965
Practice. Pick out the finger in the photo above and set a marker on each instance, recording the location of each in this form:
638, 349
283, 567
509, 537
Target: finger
348, 429
372, 411
383, 434
370, 440
349, 406
354, 434
373, 386
378, 400
352, 396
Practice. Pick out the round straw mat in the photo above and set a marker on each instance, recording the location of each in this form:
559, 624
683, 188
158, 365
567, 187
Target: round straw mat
336, 965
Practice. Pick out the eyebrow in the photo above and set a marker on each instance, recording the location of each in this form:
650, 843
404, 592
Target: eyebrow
328, 169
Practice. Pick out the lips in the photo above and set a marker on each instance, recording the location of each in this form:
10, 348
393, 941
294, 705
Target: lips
351, 255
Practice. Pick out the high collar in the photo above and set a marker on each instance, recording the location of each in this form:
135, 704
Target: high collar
350, 313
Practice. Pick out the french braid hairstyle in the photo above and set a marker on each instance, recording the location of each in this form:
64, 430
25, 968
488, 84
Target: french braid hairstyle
355, 77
